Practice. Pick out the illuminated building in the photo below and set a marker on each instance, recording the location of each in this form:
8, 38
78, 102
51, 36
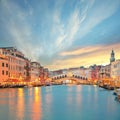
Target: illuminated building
15, 67
46, 73
35, 71
16, 64
94, 71
3, 68
42, 75
105, 72
115, 70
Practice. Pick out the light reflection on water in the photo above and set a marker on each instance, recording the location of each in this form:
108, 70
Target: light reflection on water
20, 104
58, 103
36, 105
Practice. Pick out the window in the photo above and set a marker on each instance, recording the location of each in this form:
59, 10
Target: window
6, 65
2, 64
6, 72
3, 72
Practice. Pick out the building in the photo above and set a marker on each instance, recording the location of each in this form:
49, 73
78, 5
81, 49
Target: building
3, 68
94, 71
115, 70
18, 65
104, 72
15, 67
42, 75
35, 72
112, 57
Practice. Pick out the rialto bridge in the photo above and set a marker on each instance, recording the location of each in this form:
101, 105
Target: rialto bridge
69, 78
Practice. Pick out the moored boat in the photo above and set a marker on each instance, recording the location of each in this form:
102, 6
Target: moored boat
116, 91
118, 95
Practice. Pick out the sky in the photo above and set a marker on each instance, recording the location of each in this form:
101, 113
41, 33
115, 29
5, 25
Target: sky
62, 33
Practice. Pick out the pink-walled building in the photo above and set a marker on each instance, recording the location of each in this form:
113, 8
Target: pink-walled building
16, 64
15, 67
95, 72
3, 68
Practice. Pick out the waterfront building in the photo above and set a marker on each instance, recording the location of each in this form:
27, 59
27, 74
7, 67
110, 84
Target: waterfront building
15, 67
105, 72
115, 70
16, 63
3, 68
46, 73
94, 71
35, 72
42, 75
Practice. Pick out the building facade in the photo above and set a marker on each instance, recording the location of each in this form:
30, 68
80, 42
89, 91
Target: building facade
94, 71
105, 72
115, 70
4, 74
15, 67
112, 57
35, 72
17, 64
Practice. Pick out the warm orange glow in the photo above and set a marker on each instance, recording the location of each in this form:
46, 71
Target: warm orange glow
36, 94
37, 112
86, 56
20, 104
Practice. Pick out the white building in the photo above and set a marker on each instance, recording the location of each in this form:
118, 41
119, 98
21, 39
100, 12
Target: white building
35, 71
115, 70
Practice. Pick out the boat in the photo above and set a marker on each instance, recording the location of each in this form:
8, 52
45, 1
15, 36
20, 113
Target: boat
118, 95
28, 86
116, 91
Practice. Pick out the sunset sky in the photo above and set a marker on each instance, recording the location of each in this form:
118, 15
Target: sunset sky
62, 33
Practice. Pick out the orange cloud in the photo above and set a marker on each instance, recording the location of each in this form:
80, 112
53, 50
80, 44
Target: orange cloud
95, 55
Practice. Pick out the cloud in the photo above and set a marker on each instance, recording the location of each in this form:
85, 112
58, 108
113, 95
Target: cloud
20, 30
99, 55
84, 50
68, 32
45, 30
98, 13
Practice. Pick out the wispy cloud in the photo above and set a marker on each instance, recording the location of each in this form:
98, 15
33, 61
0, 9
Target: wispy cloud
97, 14
46, 30
69, 31
20, 30
96, 55
79, 51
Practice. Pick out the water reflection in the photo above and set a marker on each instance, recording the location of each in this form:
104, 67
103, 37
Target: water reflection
58, 103
69, 96
79, 95
20, 104
74, 95
36, 105
48, 95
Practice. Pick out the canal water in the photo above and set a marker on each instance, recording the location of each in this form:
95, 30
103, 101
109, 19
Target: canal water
79, 102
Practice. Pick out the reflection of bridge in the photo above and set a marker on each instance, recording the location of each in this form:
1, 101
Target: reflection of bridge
69, 79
